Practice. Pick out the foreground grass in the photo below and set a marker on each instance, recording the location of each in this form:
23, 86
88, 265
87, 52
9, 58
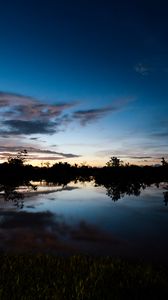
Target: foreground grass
79, 277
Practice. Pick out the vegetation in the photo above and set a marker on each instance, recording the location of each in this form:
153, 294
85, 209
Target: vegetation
79, 277
18, 160
117, 178
16, 168
164, 162
114, 162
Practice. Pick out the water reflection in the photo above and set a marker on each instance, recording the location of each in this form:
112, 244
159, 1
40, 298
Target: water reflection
116, 190
165, 197
11, 191
81, 218
44, 231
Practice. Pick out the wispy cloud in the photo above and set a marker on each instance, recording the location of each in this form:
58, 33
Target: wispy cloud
34, 138
142, 69
6, 151
87, 116
91, 115
23, 115
160, 134
136, 152
140, 157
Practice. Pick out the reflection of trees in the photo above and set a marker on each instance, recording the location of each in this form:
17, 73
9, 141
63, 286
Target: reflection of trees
117, 190
10, 191
165, 194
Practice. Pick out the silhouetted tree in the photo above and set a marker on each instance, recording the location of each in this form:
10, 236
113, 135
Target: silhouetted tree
47, 164
164, 162
114, 162
19, 159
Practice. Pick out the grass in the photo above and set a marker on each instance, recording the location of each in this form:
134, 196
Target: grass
79, 277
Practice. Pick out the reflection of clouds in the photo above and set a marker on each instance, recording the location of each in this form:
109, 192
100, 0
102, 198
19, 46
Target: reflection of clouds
92, 233
45, 231
30, 206
26, 240
49, 189
25, 231
25, 220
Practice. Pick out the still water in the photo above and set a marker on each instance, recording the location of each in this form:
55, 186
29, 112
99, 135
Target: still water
88, 219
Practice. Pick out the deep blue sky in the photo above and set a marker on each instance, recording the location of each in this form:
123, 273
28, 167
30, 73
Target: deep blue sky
97, 69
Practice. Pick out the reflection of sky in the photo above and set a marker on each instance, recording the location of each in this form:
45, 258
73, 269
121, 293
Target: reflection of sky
87, 219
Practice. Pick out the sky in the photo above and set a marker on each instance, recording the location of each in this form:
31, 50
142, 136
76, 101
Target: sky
81, 81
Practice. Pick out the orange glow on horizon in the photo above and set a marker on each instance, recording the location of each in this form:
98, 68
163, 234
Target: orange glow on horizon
88, 161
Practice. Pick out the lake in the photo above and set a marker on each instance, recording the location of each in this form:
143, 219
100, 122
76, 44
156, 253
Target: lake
84, 218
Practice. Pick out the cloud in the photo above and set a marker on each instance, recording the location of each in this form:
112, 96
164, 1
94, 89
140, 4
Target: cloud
91, 115
25, 115
161, 134
5, 151
140, 157
35, 157
142, 69
25, 107
141, 152
34, 138
19, 127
